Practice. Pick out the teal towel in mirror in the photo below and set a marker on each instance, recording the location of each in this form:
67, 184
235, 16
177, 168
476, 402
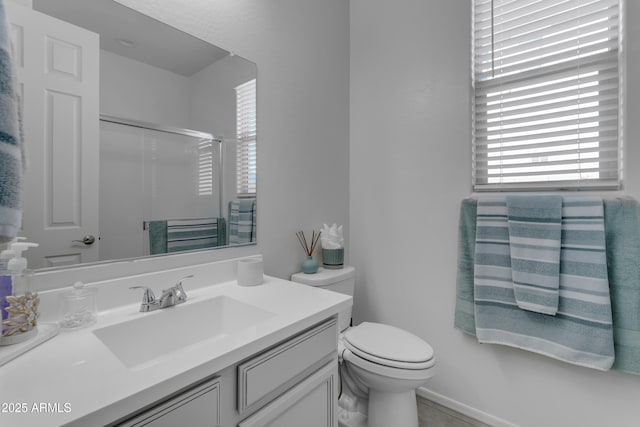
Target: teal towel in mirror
242, 221
192, 234
177, 235
157, 237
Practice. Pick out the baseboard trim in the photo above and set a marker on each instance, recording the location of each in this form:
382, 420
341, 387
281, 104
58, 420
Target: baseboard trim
462, 408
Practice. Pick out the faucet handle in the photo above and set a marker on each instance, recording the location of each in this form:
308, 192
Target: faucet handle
148, 297
181, 294
179, 284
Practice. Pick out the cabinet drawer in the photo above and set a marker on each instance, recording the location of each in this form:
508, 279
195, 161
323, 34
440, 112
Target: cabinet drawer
196, 407
271, 373
311, 403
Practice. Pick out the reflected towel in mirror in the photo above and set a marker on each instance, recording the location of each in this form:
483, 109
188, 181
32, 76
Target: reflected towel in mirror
242, 221
177, 235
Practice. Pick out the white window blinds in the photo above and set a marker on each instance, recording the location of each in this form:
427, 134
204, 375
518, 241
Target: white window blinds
205, 167
547, 105
246, 136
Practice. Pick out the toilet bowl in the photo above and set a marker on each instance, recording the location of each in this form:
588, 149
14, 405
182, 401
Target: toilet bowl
391, 363
380, 365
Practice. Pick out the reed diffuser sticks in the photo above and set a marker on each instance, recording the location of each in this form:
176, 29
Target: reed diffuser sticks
303, 241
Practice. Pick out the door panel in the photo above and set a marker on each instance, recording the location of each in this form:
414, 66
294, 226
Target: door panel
59, 75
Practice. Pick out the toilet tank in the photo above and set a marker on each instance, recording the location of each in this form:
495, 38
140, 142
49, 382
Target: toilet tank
341, 280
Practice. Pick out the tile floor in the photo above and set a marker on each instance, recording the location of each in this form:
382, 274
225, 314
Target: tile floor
431, 414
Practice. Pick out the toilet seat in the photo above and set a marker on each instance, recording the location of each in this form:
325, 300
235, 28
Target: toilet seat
419, 375
388, 346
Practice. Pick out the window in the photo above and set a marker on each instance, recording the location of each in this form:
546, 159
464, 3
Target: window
547, 85
246, 135
205, 167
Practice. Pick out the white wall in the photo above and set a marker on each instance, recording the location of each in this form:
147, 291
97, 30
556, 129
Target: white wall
137, 91
409, 169
212, 96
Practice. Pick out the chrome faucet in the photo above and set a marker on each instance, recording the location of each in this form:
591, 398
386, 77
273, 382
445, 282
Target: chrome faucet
170, 297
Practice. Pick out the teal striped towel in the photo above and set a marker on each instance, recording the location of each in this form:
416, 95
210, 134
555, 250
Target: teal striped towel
581, 332
158, 237
242, 221
622, 226
534, 241
465, 317
192, 234
176, 235
11, 141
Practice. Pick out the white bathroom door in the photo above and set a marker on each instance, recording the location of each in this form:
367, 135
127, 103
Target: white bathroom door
59, 76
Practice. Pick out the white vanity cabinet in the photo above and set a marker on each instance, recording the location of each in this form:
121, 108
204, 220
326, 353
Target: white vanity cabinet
293, 383
269, 357
299, 378
312, 403
199, 406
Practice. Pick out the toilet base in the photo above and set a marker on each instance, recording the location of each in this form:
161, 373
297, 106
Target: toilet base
385, 409
392, 409
351, 419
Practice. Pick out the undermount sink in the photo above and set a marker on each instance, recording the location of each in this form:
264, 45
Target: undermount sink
153, 335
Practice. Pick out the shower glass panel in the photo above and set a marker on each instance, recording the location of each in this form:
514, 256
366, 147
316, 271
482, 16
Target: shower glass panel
148, 175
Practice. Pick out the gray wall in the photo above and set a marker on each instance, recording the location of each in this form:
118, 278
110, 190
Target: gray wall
409, 170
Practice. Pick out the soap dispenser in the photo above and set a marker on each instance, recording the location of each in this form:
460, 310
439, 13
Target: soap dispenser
5, 281
22, 309
5, 277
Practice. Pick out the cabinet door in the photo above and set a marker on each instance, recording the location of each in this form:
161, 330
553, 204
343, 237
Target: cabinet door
312, 403
269, 374
197, 407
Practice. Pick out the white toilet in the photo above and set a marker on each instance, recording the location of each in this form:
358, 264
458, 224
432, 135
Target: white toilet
381, 365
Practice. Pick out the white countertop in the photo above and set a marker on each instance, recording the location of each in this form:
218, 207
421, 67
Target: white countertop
74, 379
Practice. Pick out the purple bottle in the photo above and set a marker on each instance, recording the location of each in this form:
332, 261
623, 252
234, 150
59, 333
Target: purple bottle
5, 281
5, 291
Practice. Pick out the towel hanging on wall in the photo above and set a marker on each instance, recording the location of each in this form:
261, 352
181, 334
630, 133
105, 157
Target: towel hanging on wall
534, 242
622, 228
581, 332
11, 142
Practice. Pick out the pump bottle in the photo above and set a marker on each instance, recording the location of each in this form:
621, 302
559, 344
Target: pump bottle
22, 309
5, 281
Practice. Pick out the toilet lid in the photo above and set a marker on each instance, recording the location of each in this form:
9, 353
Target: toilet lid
389, 345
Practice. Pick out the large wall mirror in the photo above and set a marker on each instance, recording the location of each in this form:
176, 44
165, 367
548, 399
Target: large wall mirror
164, 162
